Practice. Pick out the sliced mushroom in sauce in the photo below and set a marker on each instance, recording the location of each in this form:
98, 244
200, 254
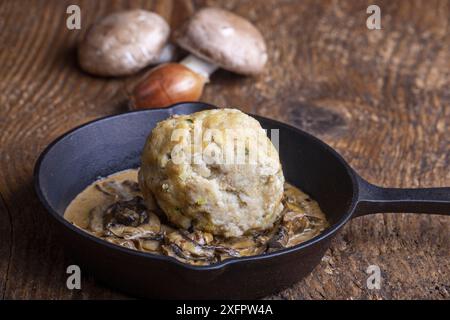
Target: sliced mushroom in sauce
122, 218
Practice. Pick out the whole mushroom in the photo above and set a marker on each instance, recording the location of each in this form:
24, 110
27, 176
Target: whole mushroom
123, 43
215, 38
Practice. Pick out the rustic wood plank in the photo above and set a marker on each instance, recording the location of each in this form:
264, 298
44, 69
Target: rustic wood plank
7, 245
379, 97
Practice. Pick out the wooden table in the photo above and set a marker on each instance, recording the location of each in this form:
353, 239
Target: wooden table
380, 97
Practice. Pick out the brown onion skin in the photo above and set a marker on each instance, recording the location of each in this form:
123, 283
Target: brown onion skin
167, 84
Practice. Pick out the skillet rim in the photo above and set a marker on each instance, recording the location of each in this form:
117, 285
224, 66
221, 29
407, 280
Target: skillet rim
216, 266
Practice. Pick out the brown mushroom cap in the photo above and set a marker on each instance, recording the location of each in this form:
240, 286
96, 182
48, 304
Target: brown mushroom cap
123, 43
225, 39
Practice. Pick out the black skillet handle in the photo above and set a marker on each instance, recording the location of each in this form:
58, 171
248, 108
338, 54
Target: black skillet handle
374, 199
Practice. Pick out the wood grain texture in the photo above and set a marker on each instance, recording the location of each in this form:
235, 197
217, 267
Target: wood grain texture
381, 98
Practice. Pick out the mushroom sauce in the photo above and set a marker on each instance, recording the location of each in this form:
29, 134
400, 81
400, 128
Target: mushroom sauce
113, 209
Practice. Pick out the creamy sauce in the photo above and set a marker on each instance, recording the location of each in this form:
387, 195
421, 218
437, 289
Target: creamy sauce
112, 208
79, 209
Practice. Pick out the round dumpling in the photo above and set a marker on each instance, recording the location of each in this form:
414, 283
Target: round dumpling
215, 171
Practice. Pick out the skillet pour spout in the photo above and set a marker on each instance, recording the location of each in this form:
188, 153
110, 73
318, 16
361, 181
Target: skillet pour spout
114, 143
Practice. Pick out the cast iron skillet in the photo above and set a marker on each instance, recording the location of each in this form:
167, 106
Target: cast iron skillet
114, 143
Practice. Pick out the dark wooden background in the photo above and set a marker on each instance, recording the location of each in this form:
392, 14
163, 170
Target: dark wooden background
381, 98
